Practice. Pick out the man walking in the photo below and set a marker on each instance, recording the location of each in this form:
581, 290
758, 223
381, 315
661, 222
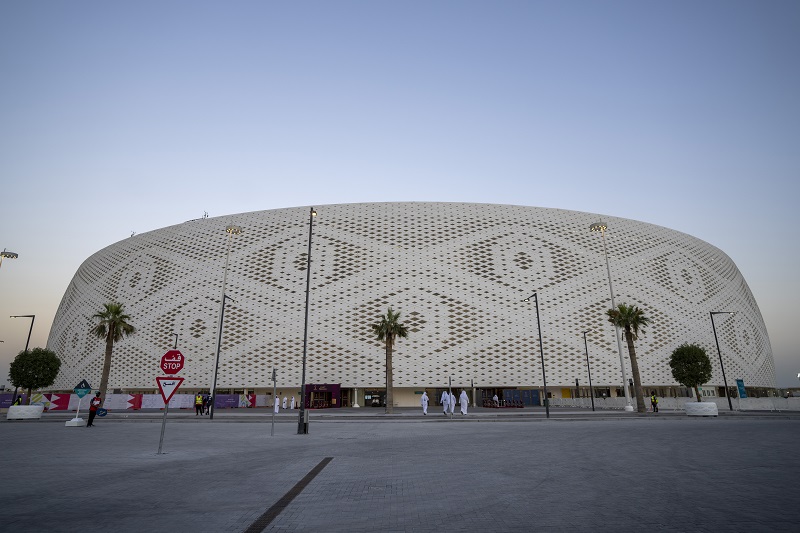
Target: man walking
424, 402
445, 401
452, 403
464, 401
94, 405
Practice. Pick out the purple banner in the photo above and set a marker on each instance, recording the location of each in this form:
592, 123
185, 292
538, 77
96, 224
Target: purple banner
6, 399
223, 401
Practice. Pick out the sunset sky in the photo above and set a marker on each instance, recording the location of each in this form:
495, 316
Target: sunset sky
121, 117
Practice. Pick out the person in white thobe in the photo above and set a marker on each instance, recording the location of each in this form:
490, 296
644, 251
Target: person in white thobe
464, 401
292, 404
452, 403
277, 407
445, 401
424, 402
284, 402
496, 401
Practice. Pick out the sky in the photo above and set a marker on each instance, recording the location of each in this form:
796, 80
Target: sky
121, 117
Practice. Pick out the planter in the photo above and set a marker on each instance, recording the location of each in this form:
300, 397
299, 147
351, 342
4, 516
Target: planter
25, 412
701, 409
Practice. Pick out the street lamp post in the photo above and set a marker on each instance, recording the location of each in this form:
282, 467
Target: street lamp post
589, 368
541, 351
5, 254
719, 352
602, 227
30, 330
231, 231
302, 429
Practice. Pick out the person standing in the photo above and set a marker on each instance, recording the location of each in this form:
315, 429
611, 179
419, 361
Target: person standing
452, 403
198, 404
204, 410
285, 400
94, 405
445, 401
424, 402
292, 404
464, 401
495, 401
654, 402
277, 407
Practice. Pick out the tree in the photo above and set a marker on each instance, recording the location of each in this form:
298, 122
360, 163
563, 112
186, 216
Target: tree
387, 330
34, 369
631, 320
691, 366
113, 326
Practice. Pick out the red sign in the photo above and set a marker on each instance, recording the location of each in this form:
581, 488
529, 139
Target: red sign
172, 362
167, 387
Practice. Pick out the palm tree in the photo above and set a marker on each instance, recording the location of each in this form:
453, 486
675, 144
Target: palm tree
631, 319
386, 330
113, 326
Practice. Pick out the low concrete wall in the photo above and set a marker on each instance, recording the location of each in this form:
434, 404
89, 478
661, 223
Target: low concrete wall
676, 404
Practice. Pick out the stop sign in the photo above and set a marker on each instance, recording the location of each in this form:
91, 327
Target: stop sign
172, 362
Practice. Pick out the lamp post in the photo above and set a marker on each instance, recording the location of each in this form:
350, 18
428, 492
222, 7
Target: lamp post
5, 254
302, 429
589, 368
32, 317
541, 351
231, 231
719, 352
602, 227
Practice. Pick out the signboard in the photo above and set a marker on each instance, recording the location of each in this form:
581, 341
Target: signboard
168, 386
740, 386
172, 362
82, 389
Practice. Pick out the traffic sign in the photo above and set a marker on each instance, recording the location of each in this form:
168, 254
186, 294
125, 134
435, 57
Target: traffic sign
168, 386
172, 362
83, 388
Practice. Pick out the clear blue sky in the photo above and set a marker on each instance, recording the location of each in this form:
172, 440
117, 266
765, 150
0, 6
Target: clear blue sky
130, 116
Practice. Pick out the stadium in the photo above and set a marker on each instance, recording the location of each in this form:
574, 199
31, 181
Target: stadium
458, 273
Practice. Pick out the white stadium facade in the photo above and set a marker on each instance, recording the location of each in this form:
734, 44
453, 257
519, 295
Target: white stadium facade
458, 274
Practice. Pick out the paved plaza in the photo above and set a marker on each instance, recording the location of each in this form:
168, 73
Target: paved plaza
573, 472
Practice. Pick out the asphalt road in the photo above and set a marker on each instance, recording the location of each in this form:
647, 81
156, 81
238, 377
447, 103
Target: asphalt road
736, 473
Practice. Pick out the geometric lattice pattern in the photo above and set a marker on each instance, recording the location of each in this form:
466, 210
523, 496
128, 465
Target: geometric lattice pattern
457, 273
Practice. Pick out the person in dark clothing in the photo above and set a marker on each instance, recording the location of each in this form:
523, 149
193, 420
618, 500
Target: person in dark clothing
94, 405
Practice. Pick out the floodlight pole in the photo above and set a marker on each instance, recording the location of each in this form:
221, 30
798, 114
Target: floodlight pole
719, 353
541, 352
589, 368
302, 428
602, 227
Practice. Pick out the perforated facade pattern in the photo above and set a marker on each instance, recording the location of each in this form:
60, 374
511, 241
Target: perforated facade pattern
457, 273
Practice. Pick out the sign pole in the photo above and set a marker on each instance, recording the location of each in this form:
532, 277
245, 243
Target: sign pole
171, 363
163, 426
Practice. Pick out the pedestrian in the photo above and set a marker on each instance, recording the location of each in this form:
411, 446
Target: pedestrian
424, 402
292, 405
18, 401
464, 401
654, 402
204, 410
445, 401
277, 407
452, 402
94, 405
198, 404
285, 400
208, 403
495, 401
